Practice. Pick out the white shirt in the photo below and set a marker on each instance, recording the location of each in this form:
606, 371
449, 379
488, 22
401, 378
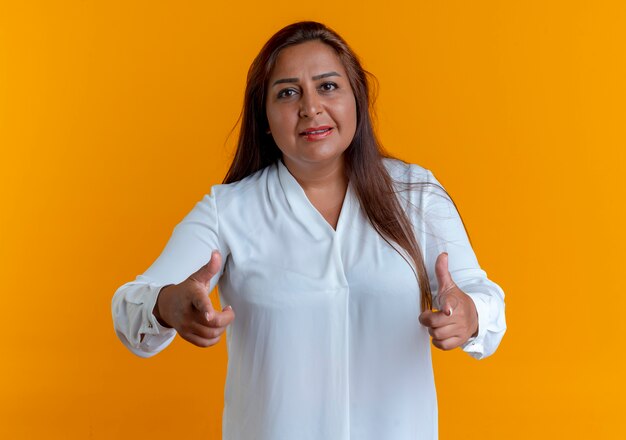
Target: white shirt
326, 342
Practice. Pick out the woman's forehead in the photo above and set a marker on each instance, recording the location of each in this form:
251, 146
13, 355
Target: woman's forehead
311, 57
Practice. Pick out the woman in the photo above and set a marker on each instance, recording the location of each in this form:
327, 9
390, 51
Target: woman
327, 251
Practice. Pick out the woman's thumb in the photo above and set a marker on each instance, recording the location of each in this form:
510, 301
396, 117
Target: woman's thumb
208, 271
444, 279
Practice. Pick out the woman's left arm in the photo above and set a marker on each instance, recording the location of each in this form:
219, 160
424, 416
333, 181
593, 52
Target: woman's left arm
477, 324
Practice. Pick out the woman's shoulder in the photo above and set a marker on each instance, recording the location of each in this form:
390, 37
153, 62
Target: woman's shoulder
249, 186
404, 172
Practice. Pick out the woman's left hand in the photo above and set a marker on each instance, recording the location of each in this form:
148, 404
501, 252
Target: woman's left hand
457, 319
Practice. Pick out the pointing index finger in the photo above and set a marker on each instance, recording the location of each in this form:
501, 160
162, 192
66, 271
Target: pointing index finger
223, 318
434, 319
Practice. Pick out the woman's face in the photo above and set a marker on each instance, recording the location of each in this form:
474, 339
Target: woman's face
309, 90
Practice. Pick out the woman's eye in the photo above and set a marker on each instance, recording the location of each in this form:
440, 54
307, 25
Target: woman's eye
286, 93
328, 86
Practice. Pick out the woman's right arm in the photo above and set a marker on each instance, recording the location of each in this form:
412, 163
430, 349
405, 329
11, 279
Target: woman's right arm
188, 250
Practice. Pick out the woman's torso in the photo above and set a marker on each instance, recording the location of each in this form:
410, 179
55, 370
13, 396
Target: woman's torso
326, 343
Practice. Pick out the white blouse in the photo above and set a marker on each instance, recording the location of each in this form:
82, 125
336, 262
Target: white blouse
326, 342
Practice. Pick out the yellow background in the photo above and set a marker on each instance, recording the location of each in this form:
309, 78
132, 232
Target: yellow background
114, 121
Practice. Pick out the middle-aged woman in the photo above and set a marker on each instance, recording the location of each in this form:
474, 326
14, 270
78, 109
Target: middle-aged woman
329, 252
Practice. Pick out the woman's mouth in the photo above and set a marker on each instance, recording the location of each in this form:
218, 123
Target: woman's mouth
314, 135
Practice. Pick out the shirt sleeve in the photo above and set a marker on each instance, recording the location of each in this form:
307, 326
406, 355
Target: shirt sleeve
444, 232
188, 249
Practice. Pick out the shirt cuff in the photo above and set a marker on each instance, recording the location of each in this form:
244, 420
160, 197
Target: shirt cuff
156, 336
474, 346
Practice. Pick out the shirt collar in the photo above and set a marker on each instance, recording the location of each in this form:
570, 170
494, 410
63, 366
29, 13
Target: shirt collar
305, 212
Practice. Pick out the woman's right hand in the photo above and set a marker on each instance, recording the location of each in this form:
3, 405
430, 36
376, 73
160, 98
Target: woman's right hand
187, 307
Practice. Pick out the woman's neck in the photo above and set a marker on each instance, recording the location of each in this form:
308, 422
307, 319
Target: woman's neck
319, 177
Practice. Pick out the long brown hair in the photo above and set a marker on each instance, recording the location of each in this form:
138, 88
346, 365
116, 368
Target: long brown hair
373, 186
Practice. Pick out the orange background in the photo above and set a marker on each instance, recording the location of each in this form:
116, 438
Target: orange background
114, 121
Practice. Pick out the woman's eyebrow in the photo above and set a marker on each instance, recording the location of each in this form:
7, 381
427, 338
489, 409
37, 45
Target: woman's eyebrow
314, 78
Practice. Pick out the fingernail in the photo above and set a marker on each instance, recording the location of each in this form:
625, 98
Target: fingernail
228, 307
207, 316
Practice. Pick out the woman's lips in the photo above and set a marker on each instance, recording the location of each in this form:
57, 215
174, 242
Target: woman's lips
315, 136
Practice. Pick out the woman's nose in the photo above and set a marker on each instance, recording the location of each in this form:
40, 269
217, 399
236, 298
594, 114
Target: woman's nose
310, 105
